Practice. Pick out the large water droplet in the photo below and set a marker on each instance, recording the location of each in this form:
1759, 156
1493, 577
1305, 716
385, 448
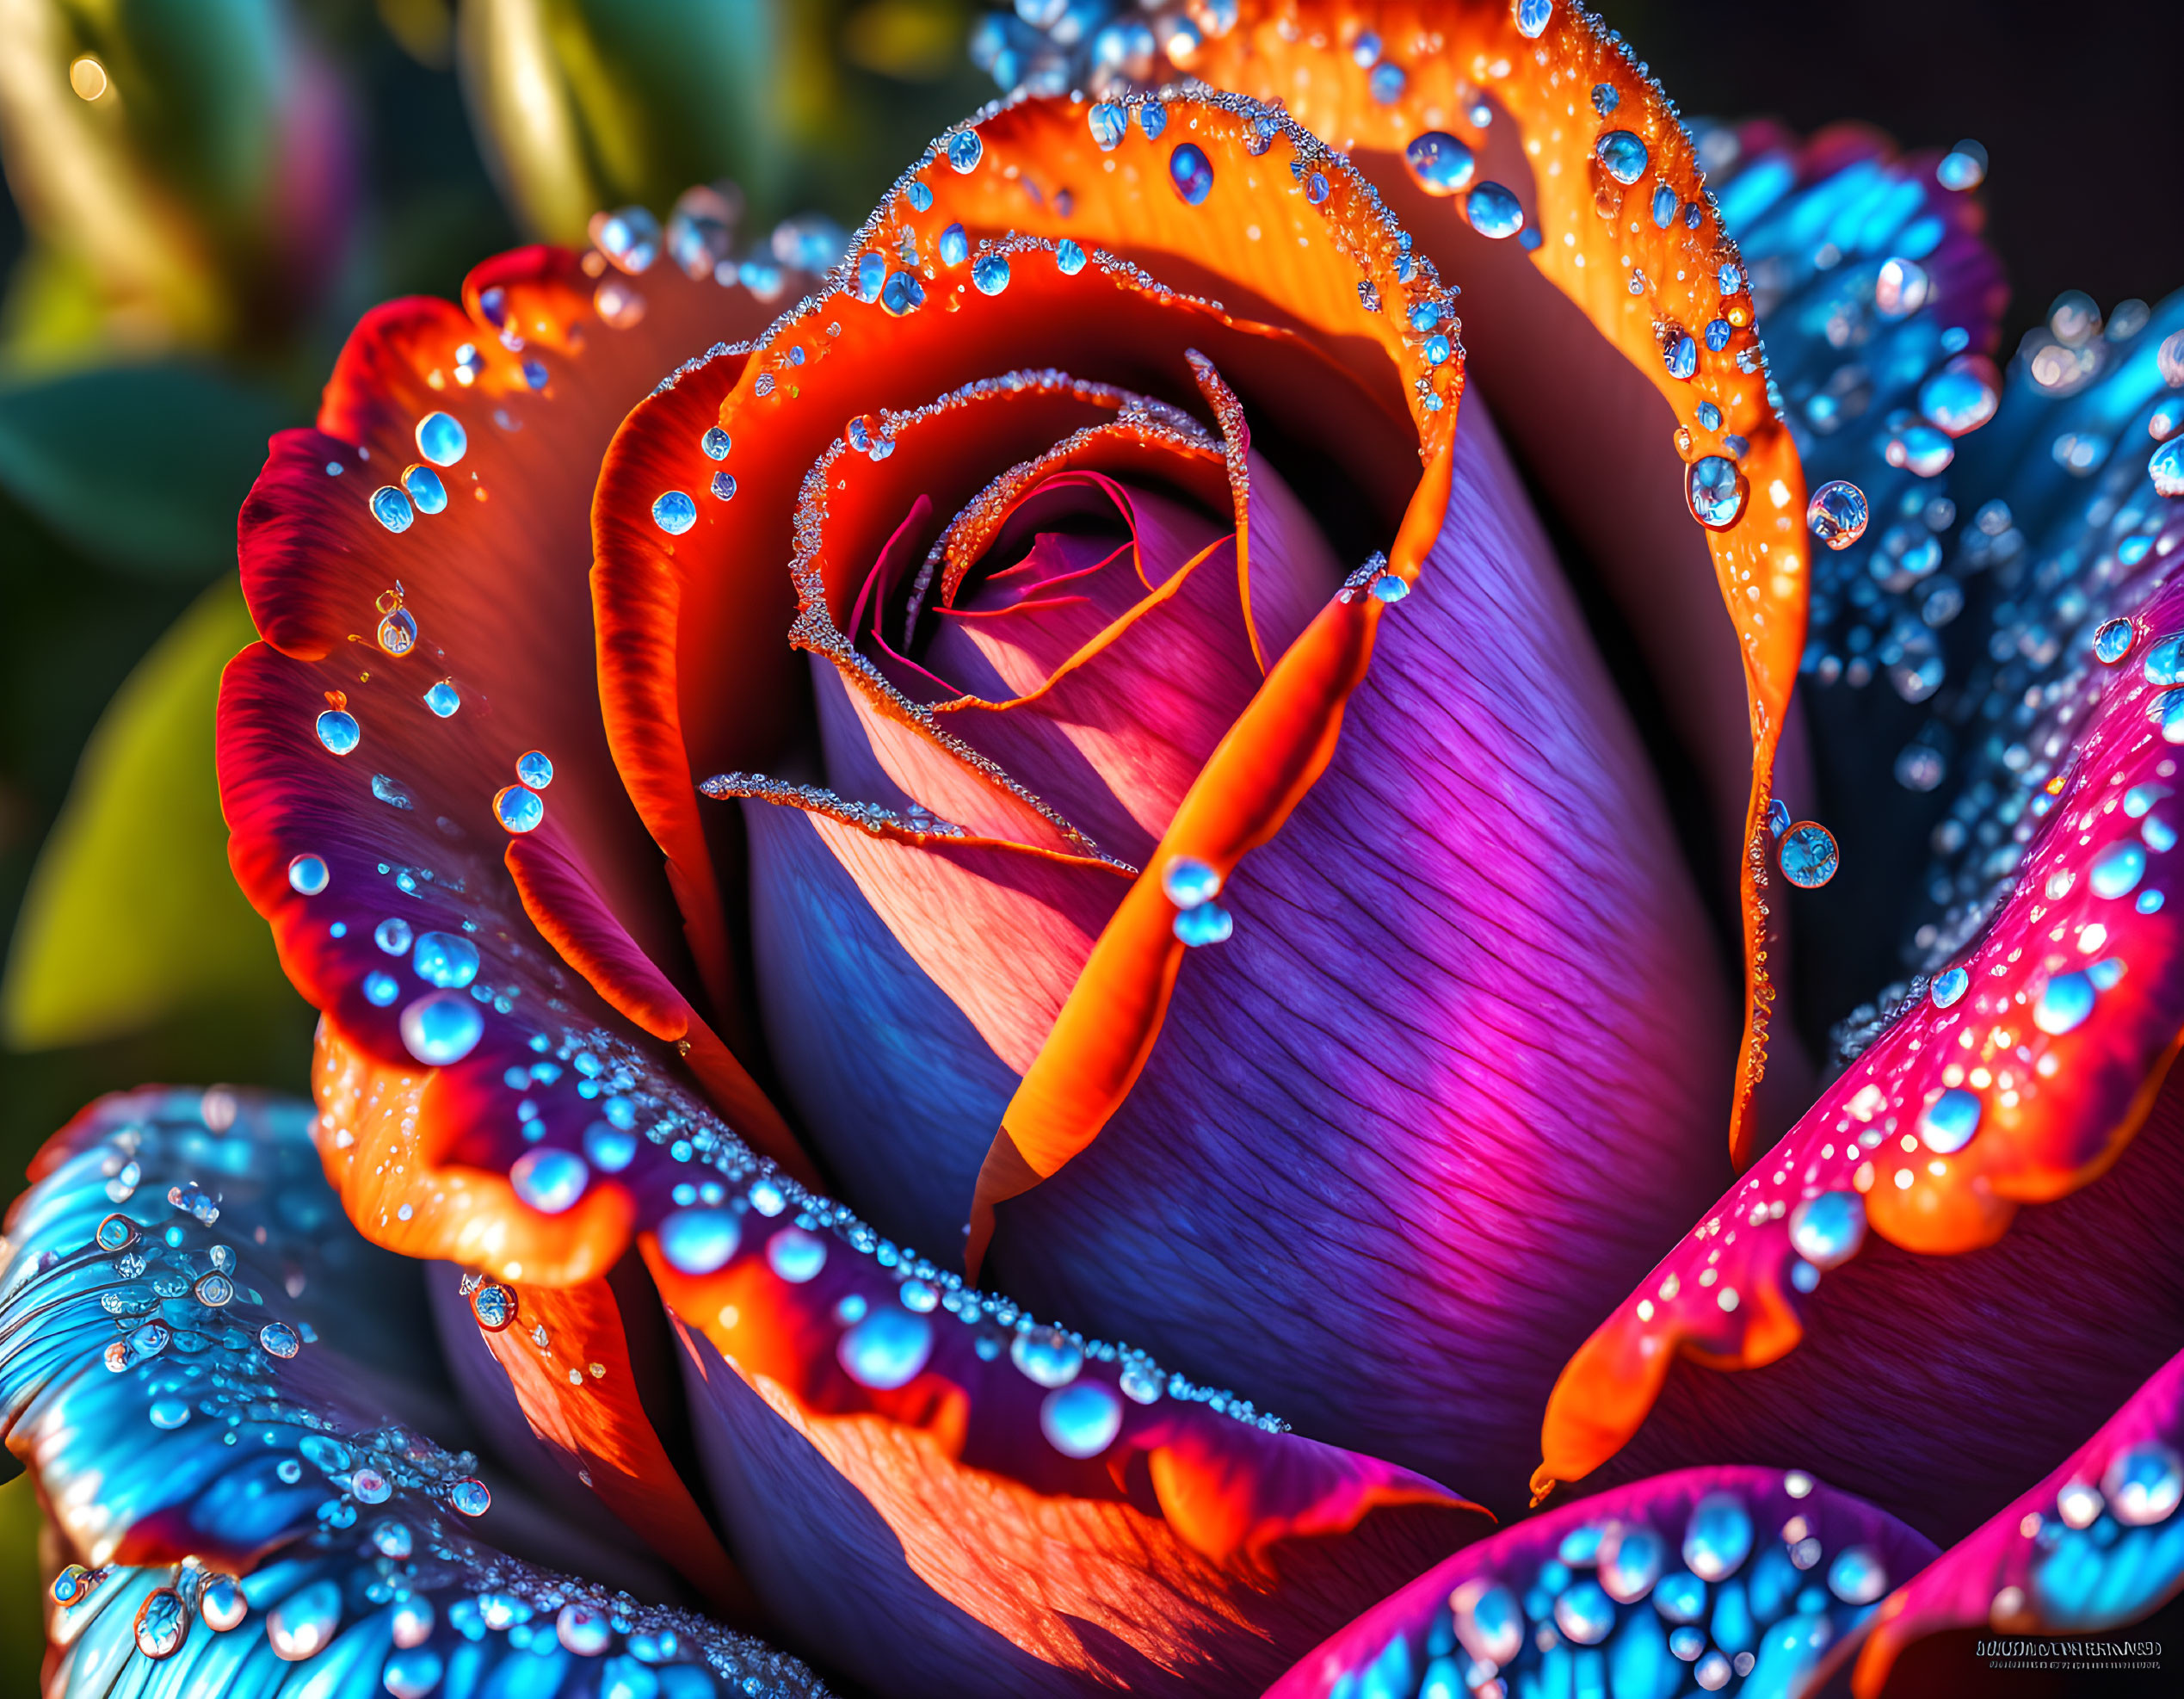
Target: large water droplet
302, 1625
1387, 82
1964, 167
1828, 1230
470, 1496
965, 151
1631, 1565
1961, 396
443, 699
1807, 855
518, 808
1532, 16
549, 1180
888, 1349
1488, 1621
2112, 641
1837, 513
722, 487
1439, 163
163, 1623
902, 293
277, 1339
398, 634
1047, 1355
1109, 123
2064, 1005
2144, 1485
1191, 172
629, 236
1857, 1576
1584, 1613
1623, 156
493, 1305
1950, 1121
1188, 881
795, 1255
338, 730
392, 508
1081, 1420
221, 1603
1715, 488
699, 1241
675, 513
610, 1147
955, 246
716, 442
991, 274
441, 439
1493, 211
413, 1673
307, 875
584, 1630
1208, 923
1719, 1537
2117, 869
446, 959
1921, 450
426, 492
1069, 257
442, 1028
1949, 988
380, 990
1900, 288
1679, 354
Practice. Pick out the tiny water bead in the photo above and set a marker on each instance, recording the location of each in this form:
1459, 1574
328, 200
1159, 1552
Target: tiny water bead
549, 1180
442, 1028
796, 1255
1081, 1420
2112, 641
716, 442
2144, 1485
493, 1305
1188, 882
1838, 514
1493, 212
675, 513
722, 487
1714, 489
1949, 1121
221, 1603
1807, 855
2117, 870
338, 730
397, 632
470, 1498
534, 769
307, 875
699, 1241
443, 699
1439, 163
392, 508
519, 808
1827, 1230
989, 275
2064, 1005
1208, 923
278, 1339
163, 1623
965, 150
446, 960
426, 492
1624, 157
1108, 123
1191, 172
888, 1349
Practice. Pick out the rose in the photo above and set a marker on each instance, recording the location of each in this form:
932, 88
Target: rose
863, 1452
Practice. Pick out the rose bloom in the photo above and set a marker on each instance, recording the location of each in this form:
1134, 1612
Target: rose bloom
1074, 749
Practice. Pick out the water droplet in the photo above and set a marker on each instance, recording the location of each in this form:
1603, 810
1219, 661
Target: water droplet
213, 1290
1807, 855
1153, 118
1584, 1613
723, 486
493, 1305
1317, 187
1838, 514
1965, 166
629, 236
426, 492
1532, 16
1047, 1355
1949, 988
1141, 1382
1857, 1576
392, 508
1921, 450
610, 1147
398, 634
1208, 923
1387, 82
277, 1339
370, 1487
888, 1349
412, 1673
699, 1241
1714, 489
585, 1631
675, 513
1625, 159
2112, 641
1679, 354
339, 731
470, 1496
991, 274
163, 1623
442, 1028
2117, 869
2166, 468
716, 442
1493, 211
392, 1539
534, 769
1828, 1230
549, 1180
221, 1603
518, 808
955, 246
307, 875
381, 989
1109, 123
902, 293
1719, 1537
169, 1414
1191, 172
1950, 1121
1631, 1565
795, 1255
1900, 288
1069, 257
1188, 881
2064, 1005
73, 1582
1439, 163
1081, 1420
1961, 396
965, 151
1488, 1621
2144, 1485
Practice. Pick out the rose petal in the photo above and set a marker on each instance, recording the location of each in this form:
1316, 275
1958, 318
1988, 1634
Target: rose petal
1368, 1203
993, 1497
2096, 1545
1737, 1561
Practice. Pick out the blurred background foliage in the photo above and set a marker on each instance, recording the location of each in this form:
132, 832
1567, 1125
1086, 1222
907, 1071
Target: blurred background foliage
202, 196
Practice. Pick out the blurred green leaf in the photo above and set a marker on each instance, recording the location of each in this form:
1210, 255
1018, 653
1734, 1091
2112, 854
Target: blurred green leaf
132, 912
141, 468
584, 105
